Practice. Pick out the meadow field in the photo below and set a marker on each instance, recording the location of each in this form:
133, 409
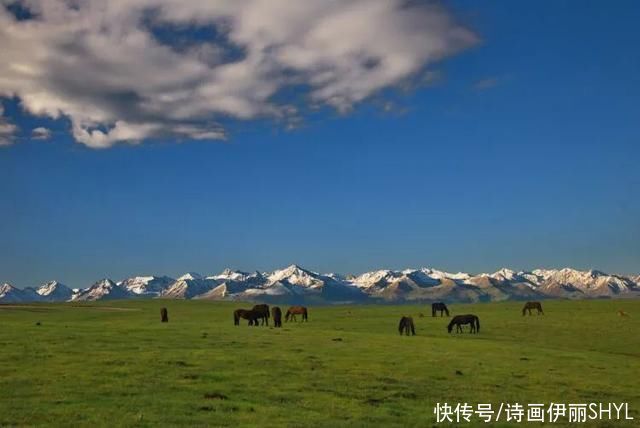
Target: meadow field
114, 364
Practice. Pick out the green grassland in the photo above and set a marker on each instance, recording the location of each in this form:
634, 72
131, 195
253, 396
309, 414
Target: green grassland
95, 365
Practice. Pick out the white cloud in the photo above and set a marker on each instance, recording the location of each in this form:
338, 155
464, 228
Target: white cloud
106, 66
7, 129
40, 133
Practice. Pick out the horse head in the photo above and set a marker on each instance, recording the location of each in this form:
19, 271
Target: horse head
450, 326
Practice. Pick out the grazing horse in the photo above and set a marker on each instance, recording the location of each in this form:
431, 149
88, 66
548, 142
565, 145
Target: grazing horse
532, 305
406, 326
247, 314
164, 315
623, 314
276, 314
263, 311
460, 320
439, 306
296, 310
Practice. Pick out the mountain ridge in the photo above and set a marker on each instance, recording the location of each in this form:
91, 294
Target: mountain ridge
294, 284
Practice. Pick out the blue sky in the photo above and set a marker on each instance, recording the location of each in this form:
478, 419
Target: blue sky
522, 151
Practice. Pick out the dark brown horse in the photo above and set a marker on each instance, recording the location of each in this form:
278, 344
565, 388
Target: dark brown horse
247, 314
263, 311
439, 306
296, 310
164, 315
460, 320
406, 325
532, 305
276, 314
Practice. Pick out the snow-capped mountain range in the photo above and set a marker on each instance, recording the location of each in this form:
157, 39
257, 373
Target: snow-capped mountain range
297, 285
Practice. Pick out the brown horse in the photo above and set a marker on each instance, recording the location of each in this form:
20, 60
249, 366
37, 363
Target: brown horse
247, 314
406, 325
532, 305
296, 310
164, 315
439, 306
263, 311
623, 314
276, 314
460, 320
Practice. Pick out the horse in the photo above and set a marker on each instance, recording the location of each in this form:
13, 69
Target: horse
439, 306
247, 314
406, 325
164, 315
623, 314
532, 305
296, 310
276, 313
460, 320
263, 310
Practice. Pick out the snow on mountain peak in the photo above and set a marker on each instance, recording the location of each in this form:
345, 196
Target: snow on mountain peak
104, 283
147, 285
294, 274
47, 288
504, 274
5, 288
438, 274
103, 289
54, 291
231, 274
370, 279
190, 276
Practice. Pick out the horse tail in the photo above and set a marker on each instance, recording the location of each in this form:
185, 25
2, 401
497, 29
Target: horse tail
477, 325
236, 318
524, 310
305, 315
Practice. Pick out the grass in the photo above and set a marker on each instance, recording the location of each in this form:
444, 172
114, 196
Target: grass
91, 365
